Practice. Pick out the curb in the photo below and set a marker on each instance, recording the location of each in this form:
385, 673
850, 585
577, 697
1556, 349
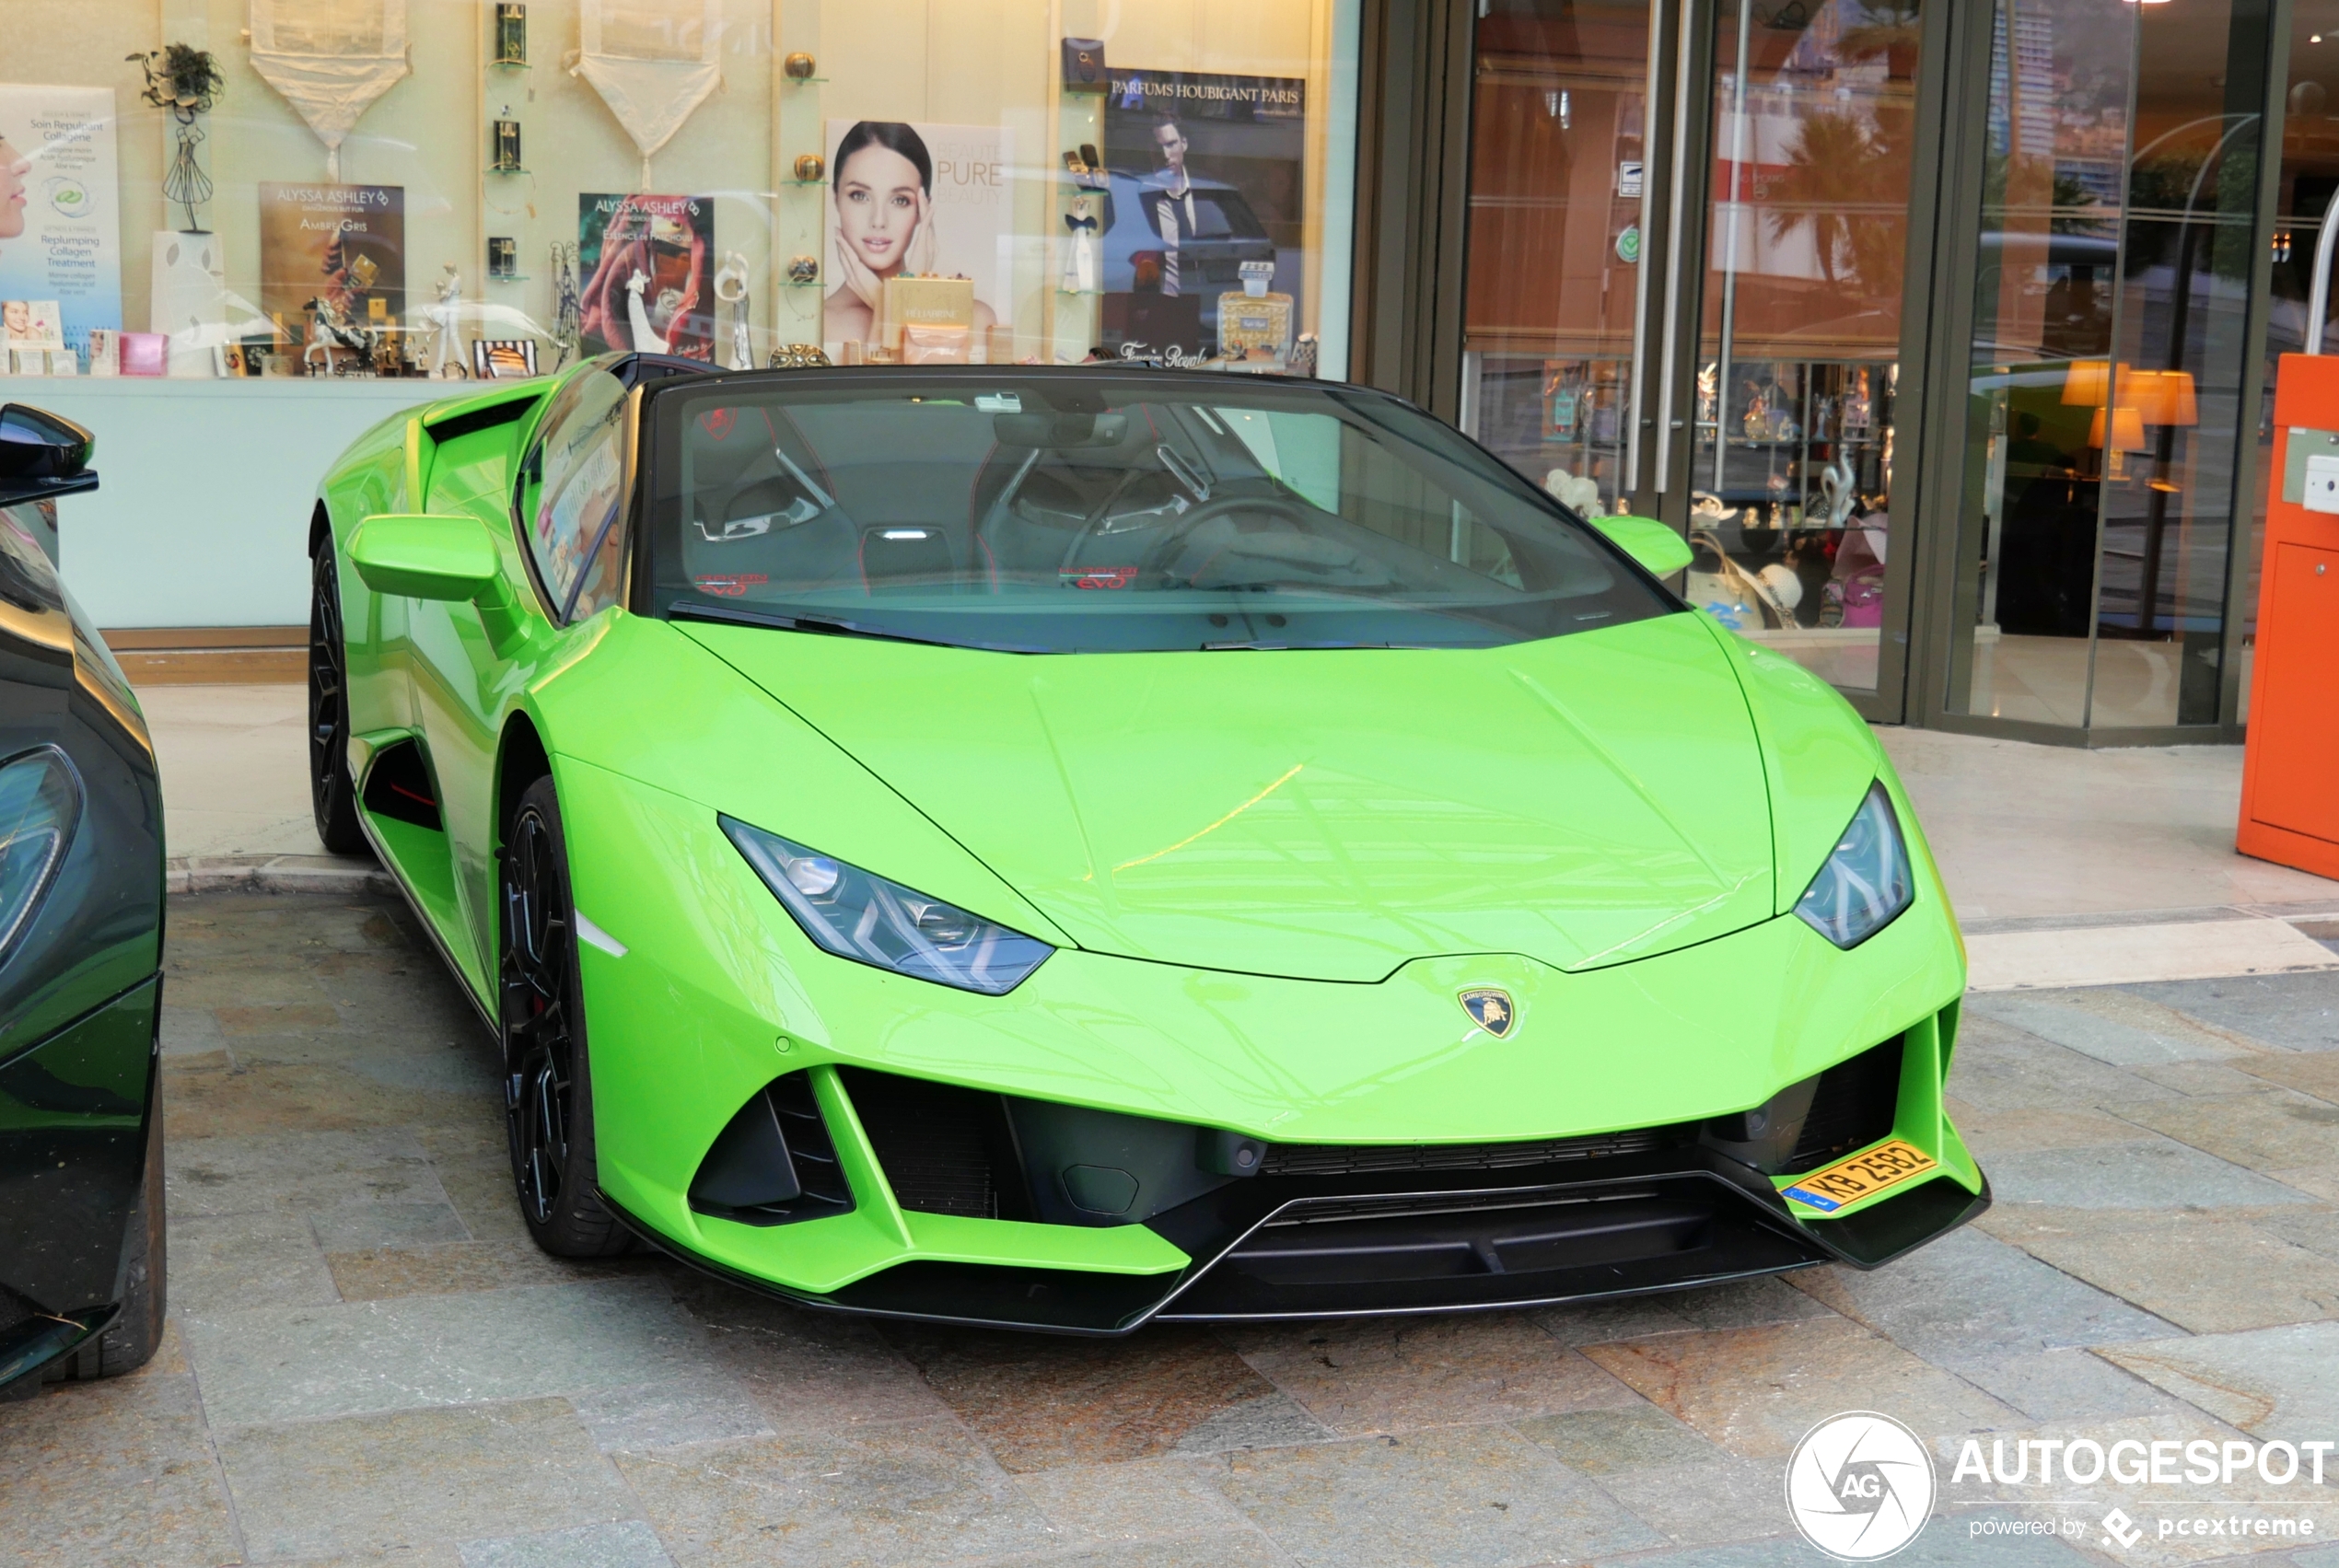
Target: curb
276, 874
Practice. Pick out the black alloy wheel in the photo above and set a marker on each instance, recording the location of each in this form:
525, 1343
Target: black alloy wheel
547, 1090
331, 792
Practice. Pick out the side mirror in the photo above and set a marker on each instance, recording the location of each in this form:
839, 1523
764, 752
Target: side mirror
43, 456
424, 555
1658, 548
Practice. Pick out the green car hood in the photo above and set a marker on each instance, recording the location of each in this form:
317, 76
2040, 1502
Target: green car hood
1327, 815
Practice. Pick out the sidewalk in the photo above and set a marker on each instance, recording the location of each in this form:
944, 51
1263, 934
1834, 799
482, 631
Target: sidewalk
2067, 868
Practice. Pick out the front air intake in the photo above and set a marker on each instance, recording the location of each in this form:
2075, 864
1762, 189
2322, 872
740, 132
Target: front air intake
1853, 1106
775, 1163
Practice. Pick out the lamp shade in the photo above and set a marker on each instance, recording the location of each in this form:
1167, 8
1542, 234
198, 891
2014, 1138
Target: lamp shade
2127, 430
2087, 382
2160, 397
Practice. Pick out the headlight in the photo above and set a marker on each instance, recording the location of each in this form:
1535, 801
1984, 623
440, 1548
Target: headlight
867, 919
40, 800
1865, 882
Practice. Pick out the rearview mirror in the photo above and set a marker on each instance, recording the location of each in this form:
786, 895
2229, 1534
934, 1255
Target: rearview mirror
424, 555
43, 456
1658, 548
1058, 432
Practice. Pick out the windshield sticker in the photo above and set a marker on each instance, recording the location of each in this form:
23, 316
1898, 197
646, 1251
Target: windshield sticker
717, 421
734, 586
1099, 577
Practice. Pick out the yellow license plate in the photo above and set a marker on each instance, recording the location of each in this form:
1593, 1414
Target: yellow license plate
1848, 1182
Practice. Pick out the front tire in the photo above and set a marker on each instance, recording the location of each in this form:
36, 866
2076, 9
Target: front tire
548, 1092
136, 1334
331, 792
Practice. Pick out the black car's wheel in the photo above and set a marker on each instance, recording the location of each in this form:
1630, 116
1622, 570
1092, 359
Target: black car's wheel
133, 1340
548, 1096
331, 790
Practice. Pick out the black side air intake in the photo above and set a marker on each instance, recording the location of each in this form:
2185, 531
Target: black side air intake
398, 786
775, 1163
944, 1150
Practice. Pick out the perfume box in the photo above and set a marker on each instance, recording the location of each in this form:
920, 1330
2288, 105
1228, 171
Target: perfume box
1249, 321
912, 301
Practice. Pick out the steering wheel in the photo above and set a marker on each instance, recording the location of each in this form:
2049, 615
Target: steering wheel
1174, 534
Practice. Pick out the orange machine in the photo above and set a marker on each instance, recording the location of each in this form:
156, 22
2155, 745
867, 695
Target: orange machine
2290, 774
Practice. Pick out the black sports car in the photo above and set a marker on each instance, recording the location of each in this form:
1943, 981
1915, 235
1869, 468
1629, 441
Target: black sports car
81, 906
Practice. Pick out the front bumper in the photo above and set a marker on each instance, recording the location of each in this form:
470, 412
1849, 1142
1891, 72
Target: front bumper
715, 996
1144, 1220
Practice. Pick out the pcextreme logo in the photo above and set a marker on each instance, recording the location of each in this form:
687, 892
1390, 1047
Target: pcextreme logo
1859, 1486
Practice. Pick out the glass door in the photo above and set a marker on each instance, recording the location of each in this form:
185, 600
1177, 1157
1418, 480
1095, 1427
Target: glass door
1553, 362
1799, 445
1687, 257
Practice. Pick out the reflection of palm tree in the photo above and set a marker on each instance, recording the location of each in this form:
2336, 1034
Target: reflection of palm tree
1831, 167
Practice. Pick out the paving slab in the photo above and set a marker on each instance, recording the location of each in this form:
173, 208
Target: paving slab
1756, 1391
908, 1493
2163, 1173
1454, 1497
1602, 1442
117, 1474
225, 1263
2278, 1012
1741, 1303
632, 1544
371, 1482
1092, 1504
2111, 1024
2206, 1272
289, 1363
1969, 1301
1042, 1401
1997, 1067
2272, 1383
1395, 1374
2267, 1131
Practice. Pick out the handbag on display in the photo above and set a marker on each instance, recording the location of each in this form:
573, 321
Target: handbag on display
1084, 65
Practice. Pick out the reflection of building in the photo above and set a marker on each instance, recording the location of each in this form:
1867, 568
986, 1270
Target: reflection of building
1484, 218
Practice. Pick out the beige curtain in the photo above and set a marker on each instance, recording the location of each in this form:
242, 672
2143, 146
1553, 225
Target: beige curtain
331, 59
652, 61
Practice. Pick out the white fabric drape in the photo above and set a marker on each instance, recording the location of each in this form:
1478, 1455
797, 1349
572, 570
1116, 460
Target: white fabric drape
652, 61
331, 59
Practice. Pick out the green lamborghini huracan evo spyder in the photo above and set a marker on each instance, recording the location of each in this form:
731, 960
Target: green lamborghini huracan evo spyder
1064, 848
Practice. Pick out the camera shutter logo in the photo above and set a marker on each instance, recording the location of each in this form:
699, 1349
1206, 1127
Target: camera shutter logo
1860, 1486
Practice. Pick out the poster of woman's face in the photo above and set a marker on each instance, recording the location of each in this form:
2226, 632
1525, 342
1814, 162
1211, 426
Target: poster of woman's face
14, 166
919, 199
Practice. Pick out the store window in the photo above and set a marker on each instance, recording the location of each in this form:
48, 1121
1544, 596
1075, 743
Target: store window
2119, 235
331, 191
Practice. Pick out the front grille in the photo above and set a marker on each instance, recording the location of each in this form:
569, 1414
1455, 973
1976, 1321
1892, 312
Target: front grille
938, 1144
1374, 1159
1853, 1106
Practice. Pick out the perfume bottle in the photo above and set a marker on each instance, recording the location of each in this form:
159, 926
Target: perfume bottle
503, 257
511, 33
504, 151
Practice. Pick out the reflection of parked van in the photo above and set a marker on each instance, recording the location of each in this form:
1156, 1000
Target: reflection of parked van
1227, 234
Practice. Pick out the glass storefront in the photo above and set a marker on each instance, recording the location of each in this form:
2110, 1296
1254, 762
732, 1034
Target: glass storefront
2118, 242
327, 191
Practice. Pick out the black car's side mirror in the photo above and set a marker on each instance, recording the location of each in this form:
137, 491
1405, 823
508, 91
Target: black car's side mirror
43, 456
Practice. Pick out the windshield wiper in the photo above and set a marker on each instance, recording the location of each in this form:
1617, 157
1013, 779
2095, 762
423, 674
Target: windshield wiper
725, 615
1298, 647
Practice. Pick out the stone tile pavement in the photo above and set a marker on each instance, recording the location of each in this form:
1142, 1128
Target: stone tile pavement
368, 1363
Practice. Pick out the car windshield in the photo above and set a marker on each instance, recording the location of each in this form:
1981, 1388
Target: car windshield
1099, 511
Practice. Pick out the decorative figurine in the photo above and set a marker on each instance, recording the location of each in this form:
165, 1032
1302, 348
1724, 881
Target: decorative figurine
1080, 256
799, 66
185, 82
445, 315
730, 291
511, 33
568, 304
805, 270
811, 169
800, 357
1303, 355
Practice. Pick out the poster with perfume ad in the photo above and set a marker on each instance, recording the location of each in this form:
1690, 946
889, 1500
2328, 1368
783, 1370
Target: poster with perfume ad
911, 201
646, 265
1207, 172
332, 252
60, 213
